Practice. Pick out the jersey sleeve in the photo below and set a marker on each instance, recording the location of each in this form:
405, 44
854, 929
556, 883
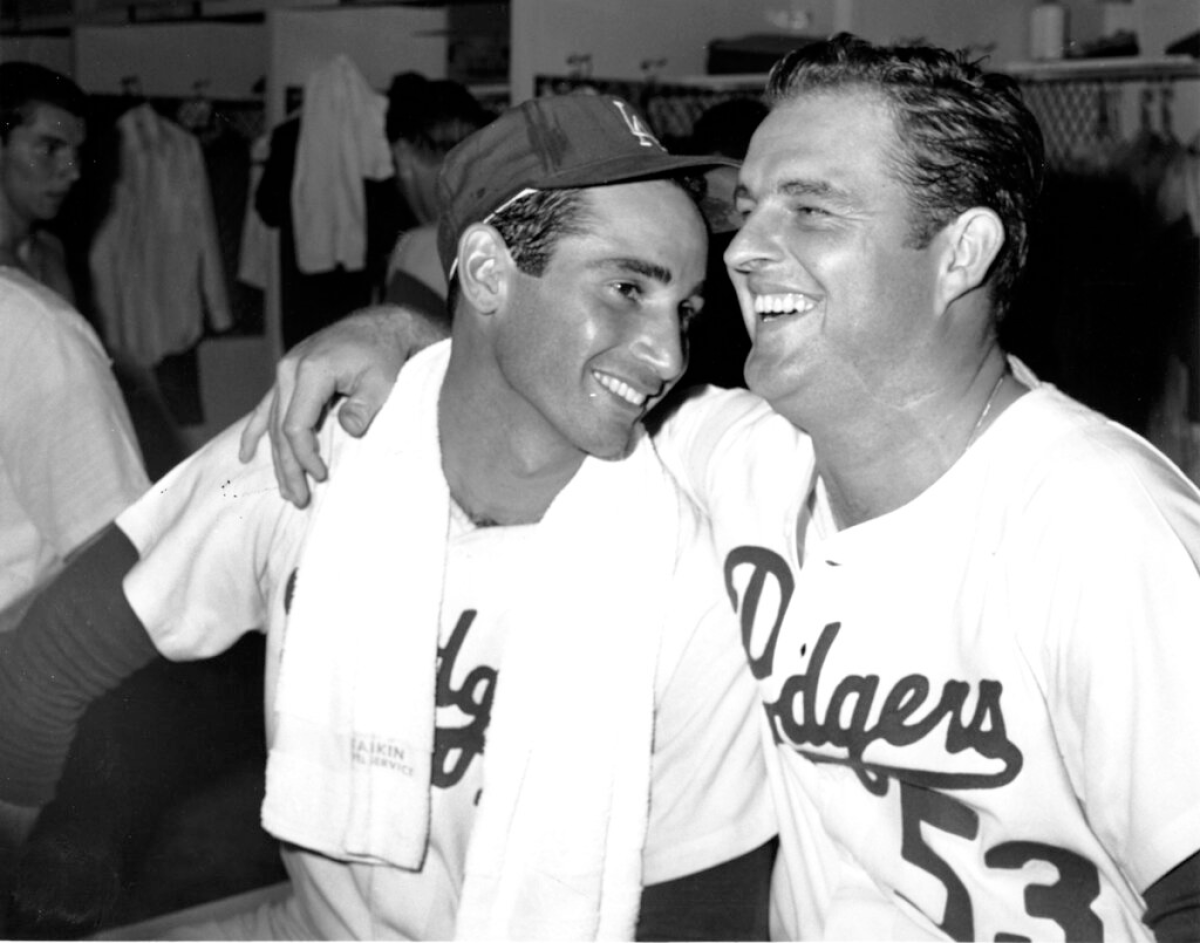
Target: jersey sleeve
67, 439
1119, 565
706, 442
709, 802
206, 536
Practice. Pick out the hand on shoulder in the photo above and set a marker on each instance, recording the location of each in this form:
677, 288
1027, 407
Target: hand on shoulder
357, 358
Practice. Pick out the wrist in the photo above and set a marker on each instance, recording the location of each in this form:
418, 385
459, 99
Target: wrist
404, 329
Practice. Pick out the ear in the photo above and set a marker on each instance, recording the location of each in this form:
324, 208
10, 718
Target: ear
484, 264
972, 242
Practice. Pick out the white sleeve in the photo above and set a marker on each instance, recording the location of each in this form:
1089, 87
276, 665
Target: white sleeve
211, 536
709, 801
1118, 561
704, 441
67, 439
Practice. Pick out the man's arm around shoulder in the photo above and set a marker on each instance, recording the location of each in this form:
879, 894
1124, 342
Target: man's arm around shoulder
357, 358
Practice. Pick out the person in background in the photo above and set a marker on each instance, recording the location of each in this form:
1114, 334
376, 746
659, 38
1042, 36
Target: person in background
425, 120
521, 712
42, 128
69, 458
70, 462
969, 601
726, 127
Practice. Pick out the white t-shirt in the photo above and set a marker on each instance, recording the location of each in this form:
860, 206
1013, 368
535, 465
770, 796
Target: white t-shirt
218, 551
69, 460
984, 703
416, 253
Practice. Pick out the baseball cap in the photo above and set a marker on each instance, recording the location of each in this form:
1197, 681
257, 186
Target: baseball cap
552, 143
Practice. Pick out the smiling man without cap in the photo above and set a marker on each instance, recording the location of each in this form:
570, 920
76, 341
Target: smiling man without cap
517, 710
970, 602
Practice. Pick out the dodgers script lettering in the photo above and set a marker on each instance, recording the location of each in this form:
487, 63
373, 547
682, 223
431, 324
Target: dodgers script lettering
455, 747
848, 712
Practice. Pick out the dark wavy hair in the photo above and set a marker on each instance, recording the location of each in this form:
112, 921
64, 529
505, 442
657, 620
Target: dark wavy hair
24, 85
966, 136
432, 115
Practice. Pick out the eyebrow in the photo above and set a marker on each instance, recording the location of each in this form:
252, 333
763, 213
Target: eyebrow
651, 270
637, 266
795, 188
54, 135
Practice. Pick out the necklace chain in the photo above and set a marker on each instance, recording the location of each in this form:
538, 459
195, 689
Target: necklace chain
987, 408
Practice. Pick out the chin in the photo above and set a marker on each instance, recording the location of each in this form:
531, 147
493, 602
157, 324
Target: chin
772, 383
757, 376
612, 453
613, 448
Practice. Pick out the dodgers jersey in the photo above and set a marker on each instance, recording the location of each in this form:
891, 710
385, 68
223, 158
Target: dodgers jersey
981, 707
219, 556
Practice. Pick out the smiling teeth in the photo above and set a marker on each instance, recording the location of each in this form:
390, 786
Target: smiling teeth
621, 388
783, 304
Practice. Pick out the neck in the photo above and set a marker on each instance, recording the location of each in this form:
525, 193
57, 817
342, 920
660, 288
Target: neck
501, 467
881, 455
14, 234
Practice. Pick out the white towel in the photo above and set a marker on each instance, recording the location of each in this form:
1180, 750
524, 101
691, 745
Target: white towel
349, 767
556, 847
342, 142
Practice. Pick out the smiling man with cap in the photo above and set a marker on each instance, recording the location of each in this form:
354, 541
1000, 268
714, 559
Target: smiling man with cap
503, 697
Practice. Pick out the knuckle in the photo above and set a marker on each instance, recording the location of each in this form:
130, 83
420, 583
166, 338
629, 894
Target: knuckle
294, 431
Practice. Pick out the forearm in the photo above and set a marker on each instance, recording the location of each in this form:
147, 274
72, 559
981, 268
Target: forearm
408, 328
79, 639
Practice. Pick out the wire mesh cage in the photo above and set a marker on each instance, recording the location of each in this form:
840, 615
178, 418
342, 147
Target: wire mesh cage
1085, 105
1077, 104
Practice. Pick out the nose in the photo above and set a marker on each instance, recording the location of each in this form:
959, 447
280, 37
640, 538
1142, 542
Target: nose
751, 247
660, 345
68, 164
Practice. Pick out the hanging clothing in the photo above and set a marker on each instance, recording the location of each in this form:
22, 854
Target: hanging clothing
155, 262
1175, 423
254, 253
342, 142
310, 301
1099, 311
228, 163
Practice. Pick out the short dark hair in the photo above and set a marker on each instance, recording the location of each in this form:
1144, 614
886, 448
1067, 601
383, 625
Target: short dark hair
24, 85
432, 116
967, 138
531, 227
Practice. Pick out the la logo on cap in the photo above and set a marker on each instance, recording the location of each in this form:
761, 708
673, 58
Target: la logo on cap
633, 122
